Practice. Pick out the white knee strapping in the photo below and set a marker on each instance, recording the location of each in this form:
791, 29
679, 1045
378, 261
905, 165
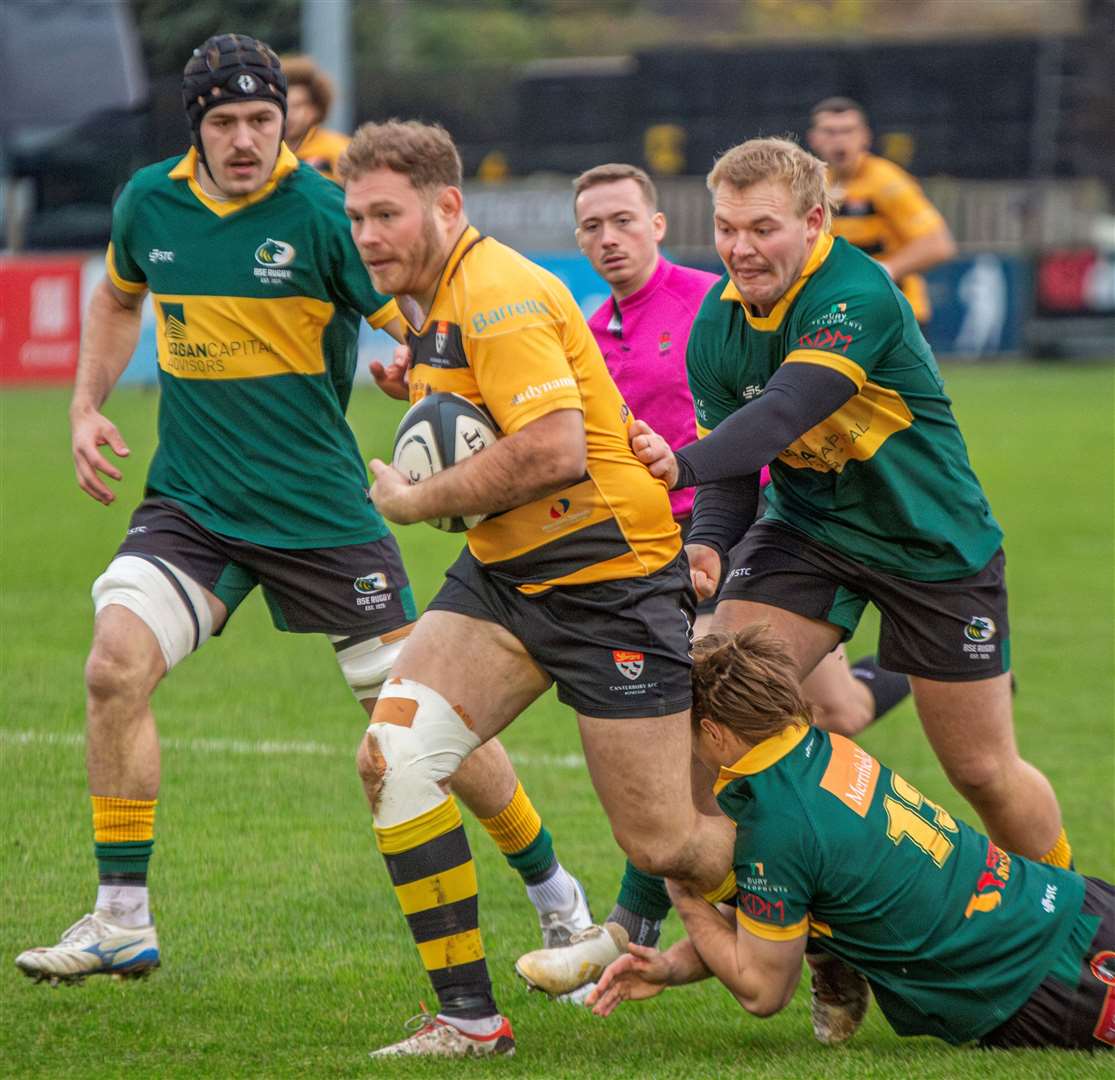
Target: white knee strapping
366, 664
419, 756
169, 601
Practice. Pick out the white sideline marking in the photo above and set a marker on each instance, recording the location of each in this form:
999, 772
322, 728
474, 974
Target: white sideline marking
261, 747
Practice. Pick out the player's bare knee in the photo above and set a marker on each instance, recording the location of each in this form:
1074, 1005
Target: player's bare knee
660, 856
979, 778
113, 671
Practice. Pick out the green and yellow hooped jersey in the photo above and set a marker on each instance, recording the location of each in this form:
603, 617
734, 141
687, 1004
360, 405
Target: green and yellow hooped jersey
258, 302
886, 479
953, 932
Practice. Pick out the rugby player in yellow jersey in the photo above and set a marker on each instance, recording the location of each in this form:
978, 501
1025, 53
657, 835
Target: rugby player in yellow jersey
882, 208
577, 579
309, 97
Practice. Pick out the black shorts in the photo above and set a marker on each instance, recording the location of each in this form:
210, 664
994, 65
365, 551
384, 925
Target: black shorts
953, 631
359, 590
1080, 1017
708, 605
616, 648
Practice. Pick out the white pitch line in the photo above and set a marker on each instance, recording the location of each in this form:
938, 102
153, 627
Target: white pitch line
262, 747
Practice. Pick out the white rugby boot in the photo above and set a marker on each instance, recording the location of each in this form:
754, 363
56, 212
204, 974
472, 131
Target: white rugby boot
560, 972
435, 1036
558, 927
839, 997
93, 946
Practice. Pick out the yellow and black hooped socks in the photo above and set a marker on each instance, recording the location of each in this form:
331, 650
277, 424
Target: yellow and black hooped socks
434, 877
1060, 854
123, 837
525, 842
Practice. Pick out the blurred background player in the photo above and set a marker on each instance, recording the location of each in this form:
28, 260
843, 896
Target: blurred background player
309, 98
881, 209
576, 580
958, 938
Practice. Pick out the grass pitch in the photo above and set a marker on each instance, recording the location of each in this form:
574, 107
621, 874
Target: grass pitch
284, 953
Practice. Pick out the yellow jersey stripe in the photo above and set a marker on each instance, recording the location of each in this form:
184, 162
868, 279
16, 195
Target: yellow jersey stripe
773, 933
241, 337
395, 839
842, 364
762, 755
452, 951
444, 887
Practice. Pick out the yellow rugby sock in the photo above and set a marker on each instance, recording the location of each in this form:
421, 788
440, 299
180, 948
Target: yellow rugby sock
516, 826
431, 867
1060, 854
123, 838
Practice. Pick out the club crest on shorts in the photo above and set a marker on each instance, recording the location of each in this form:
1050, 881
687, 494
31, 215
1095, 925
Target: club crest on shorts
375, 582
629, 664
441, 337
980, 629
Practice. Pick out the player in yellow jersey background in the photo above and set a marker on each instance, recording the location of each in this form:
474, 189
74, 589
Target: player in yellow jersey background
883, 209
309, 97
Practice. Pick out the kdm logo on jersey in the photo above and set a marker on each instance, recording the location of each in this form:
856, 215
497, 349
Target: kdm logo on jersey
629, 664
979, 629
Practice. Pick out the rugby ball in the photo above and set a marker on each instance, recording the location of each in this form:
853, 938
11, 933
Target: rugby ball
436, 433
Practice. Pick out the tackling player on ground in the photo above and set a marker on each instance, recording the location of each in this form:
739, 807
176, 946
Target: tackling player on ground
577, 578
958, 938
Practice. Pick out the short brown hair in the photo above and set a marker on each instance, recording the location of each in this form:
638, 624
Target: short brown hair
747, 682
302, 71
838, 104
609, 174
777, 159
423, 152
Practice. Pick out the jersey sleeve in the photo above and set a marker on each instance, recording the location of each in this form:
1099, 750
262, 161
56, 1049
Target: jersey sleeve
714, 396
123, 270
902, 202
774, 880
519, 358
850, 335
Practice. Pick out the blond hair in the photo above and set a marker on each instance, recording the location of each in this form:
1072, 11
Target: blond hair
781, 160
747, 682
302, 71
424, 153
613, 172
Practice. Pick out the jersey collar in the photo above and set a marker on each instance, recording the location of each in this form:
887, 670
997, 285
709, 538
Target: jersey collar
186, 170
470, 236
762, 756
645, 290
772, 321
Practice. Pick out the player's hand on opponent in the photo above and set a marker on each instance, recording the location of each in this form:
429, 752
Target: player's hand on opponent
704, 569
90, 431
653, 451
639, 974
392, 493
392, 379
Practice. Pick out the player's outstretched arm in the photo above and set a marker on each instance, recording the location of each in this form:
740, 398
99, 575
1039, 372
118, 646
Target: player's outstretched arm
542, 457
108, 340
643, 973
762, 975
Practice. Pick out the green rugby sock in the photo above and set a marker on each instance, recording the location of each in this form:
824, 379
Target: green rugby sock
641, 906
